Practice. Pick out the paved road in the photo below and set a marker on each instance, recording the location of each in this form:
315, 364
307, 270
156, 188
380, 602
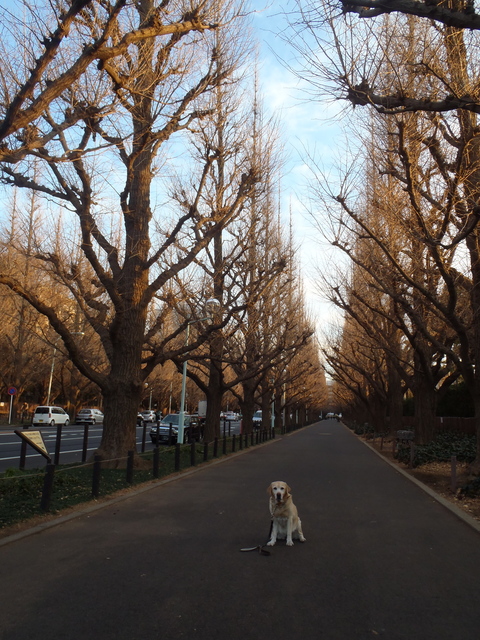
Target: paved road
382, 558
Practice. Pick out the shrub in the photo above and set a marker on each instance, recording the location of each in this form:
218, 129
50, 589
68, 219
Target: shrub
446, 445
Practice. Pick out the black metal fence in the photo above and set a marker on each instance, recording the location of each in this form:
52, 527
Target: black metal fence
192, 436
154, 464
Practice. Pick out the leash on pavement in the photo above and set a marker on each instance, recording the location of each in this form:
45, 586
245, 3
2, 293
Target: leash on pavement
260, 547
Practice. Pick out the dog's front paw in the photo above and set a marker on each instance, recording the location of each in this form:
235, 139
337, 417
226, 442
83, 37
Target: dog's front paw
289, 543
302, 539
270, 543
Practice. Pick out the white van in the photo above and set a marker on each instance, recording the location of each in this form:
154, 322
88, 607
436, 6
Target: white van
257, 419
50, 416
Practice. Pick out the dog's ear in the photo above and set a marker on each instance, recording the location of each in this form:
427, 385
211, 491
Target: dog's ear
269, 490
288, 491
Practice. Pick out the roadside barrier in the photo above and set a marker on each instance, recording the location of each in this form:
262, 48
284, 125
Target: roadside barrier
57, 487
258, 435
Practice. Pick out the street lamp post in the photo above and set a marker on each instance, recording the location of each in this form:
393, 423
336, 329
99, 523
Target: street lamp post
51, 372
214, 305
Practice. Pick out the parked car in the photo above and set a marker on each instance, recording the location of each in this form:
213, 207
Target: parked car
257, 419
190, 423
230, 415
149, 416
50, 416
89, 416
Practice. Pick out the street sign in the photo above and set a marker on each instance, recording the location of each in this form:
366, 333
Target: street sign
11, 392
35, 440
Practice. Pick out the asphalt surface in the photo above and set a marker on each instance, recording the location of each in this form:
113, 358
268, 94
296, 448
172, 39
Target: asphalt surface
382, 558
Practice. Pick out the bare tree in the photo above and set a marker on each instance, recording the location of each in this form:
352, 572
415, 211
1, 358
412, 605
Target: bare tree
221, 142
101, 144
460, 14
373, 62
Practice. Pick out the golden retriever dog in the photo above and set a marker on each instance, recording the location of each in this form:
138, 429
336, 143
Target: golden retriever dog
285, 520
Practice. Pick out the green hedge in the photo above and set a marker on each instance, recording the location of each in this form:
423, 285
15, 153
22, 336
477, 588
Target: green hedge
445, 446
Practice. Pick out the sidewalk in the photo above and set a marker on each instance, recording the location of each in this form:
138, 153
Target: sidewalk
382, 558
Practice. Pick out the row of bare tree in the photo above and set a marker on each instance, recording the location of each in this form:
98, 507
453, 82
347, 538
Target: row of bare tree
144, 181
405, 213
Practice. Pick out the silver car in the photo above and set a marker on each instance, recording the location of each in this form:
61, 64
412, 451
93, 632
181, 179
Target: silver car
89, 416
149, 416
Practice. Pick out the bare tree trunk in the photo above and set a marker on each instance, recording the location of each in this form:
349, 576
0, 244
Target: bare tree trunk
425, 403
394, 399
214, 390
247, 406
473, 378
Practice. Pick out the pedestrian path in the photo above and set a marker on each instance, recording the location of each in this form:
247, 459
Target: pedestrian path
382, 558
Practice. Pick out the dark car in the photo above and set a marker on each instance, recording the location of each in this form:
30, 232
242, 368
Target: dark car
171, 422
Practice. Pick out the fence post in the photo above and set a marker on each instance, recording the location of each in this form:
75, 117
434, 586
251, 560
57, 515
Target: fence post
234, 443
130, 467
23, 455
215, 448
156, 462
58, 444
453, 480
47, 487
144, 435
85, 442
412, 453
97, 471
224, 447
205, 451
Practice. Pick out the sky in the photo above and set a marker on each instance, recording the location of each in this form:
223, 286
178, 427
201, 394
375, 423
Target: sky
304, 126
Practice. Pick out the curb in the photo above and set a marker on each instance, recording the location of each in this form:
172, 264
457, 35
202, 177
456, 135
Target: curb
153, 484
459, 513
